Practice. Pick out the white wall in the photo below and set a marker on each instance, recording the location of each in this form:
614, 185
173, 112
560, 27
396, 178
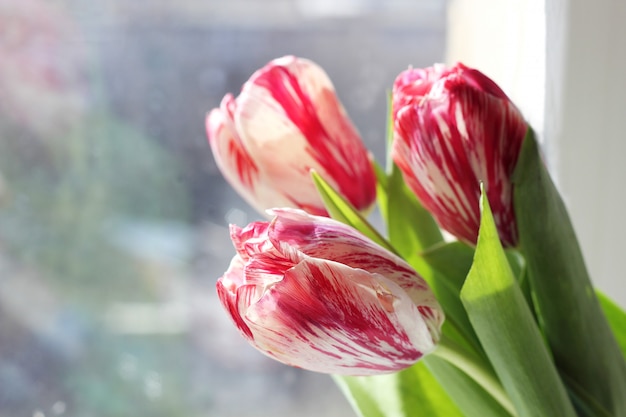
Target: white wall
564, 64
505, 40
586, 123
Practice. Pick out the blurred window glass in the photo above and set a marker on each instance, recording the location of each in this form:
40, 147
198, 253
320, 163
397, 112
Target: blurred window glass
113, 216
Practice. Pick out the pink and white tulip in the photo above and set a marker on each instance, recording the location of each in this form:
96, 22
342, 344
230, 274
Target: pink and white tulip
286, 122
455, 128
314, 293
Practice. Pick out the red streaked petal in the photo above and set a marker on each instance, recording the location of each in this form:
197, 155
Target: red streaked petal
327, 317
230, 153
426, 150
238, 165
251, 239
500, 129
412, 85
280, 148
464, 132
227, 291
372, 315
289, 111
479, 81
326, 238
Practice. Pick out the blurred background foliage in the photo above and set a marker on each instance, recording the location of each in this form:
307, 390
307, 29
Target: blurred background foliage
75, 197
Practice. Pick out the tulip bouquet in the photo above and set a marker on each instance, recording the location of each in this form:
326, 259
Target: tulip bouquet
474, 300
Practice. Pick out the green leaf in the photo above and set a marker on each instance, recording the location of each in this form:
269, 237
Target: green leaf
582, 343
450, 263
409, 393
381, 189
340, 209
617, 319
453, 260
507, 330
463, 390
585, 405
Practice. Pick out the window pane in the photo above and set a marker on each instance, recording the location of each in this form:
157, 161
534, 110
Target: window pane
113, 216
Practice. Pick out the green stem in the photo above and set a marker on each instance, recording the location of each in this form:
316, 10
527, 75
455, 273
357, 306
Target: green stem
475, 368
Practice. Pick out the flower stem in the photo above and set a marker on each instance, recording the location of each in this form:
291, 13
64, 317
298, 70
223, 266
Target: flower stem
476, 369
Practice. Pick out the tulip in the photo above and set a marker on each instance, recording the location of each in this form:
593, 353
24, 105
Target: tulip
453, 129
314, 293
286, 122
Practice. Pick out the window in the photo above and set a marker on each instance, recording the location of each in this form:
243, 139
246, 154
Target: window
113, 216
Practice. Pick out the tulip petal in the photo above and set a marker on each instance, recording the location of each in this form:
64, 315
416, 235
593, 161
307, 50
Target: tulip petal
423, 152
479, 81
230, 154
328, 317
236, 162
251, 239
325, 238
371, 315
464, 132
412, 85
289, 111
227, 292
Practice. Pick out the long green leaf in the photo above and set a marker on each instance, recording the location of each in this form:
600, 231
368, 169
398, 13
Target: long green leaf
583, 345
450, 263
507, 330
453, 260
382, 197
463, 390
617, 319
585, 405
412, 392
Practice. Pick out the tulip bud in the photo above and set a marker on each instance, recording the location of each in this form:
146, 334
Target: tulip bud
314, 293
453, 129
286, 122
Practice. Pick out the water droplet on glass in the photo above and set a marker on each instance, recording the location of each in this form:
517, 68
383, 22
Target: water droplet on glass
236, 216
152, 385
127, 367
58, 408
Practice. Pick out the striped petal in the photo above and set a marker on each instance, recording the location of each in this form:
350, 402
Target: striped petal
289, 118
462, 132
235, 161
228, 288
325, 238
305, 307
327, 317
